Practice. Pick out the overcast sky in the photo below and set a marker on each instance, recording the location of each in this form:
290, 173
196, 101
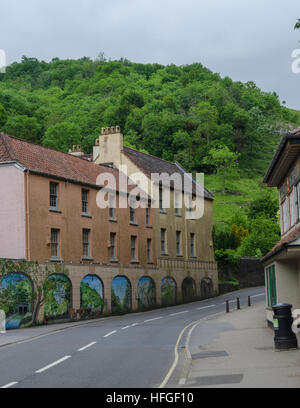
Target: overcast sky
244, 39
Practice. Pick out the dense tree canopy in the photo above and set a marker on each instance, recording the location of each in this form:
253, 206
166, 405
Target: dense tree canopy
179, 113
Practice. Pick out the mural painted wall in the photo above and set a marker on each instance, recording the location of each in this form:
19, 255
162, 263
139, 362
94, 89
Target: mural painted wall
58, 298
16, 293
207, 288
188, 290
168, 291
91, 295
120, 295
146, 293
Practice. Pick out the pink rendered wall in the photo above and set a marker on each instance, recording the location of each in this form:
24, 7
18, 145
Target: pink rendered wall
12, 213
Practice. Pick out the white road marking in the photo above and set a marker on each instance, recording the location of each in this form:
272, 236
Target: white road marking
175, 314
134, 324
109, 334
126, 327
182, 381
230, 301
205, 307
41, 370
9, 385
87, 346
155, 318
260, 294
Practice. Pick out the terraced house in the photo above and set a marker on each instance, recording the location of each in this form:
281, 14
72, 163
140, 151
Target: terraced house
119, 259
282, 263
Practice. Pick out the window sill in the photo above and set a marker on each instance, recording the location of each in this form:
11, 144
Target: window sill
134, 261
133, 223
148, 226
179, 256
163, 211
87, 258
164, 254
52, 209
178, 215
86, 215
150, 263
52, 259
114, 260
112, 220
193, 256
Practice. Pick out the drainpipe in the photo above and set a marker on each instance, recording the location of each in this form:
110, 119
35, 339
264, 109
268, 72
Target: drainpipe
27, 216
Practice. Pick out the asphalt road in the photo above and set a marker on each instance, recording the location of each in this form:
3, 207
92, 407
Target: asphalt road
130, 351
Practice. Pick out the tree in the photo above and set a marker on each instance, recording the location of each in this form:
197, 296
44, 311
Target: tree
62, 136
224, 161
23, 127
40, 276
264, 234
3, 115
264, 206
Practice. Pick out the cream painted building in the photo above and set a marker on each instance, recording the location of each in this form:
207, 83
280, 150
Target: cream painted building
184, 245
282, 263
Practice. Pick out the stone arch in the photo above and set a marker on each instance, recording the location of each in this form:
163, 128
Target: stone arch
168, 291
17, 299
91, 295
146, 292
207, 288
59, 298
121, 295
189, 291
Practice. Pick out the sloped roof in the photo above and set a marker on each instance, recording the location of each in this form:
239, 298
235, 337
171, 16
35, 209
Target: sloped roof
53, 163
291, 137
283, 243
150, 164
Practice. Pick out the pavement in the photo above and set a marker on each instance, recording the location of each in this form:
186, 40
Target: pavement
236, 350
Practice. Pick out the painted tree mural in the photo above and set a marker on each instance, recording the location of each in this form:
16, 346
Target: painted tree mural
91, 294
168, 291
120, 295
58, 298
16, 297
146, 294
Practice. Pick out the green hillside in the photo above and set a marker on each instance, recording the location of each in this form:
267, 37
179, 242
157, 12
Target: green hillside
183, 113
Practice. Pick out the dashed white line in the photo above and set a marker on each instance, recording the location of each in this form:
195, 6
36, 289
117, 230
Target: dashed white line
205, 307
260, 294
151, 320
41, 370
109, 334
126, 327
87, 346
9, 385
134, 324
230, 301
175, 314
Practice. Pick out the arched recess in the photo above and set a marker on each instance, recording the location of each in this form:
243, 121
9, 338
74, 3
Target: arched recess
168, 291
91, 295
16, 299
58, 297
121, 295
146, 293
207, 288
189, 291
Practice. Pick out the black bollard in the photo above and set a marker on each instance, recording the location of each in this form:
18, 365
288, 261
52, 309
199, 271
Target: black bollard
227, 306
285, 338
238, 305
249, 301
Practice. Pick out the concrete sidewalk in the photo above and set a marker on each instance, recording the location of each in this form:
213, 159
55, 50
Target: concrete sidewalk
237, 350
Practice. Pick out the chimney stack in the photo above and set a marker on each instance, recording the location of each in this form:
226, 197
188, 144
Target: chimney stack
76, 151
108, 146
